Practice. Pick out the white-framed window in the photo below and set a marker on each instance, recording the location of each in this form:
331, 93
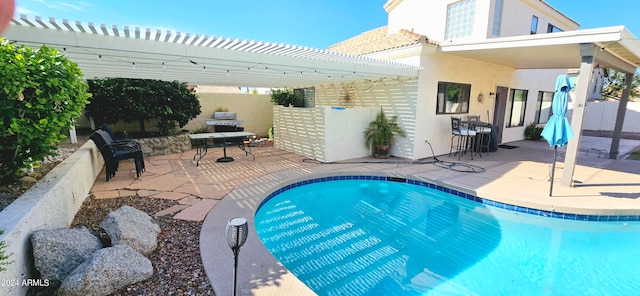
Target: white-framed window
453, 98
553, 29
516, 106
534, 25
543, 108
497, 18
460, 19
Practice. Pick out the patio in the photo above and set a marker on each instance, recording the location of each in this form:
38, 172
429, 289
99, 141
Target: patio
224, 190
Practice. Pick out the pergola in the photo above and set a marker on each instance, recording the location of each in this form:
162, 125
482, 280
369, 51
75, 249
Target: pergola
110, 51
613, 47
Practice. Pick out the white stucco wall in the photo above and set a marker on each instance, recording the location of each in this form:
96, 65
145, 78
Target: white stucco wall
429, 18
517, 15
396, 96
483, 77
601, 116
323, 133
533, 81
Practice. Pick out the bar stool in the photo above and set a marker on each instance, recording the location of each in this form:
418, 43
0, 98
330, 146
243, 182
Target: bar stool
483, 130
465, 136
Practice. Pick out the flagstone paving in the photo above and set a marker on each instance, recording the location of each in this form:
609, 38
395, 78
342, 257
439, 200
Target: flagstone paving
505, 173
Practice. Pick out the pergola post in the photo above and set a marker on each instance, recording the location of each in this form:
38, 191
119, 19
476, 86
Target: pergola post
622, 110
587, 51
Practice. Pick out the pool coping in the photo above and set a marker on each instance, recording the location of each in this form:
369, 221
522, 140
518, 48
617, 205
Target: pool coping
265, 275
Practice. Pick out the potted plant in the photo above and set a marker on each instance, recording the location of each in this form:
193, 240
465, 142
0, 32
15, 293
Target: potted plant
380, 133
533, 132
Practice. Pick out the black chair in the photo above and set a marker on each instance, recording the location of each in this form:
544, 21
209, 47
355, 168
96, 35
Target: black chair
112, 153
105, 127
483, 132
465, 137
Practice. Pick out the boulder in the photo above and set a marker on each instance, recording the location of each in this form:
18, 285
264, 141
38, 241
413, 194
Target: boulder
133, 227
57, 252
108, 270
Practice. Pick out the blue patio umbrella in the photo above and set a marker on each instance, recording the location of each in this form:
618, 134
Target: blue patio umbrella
558, 130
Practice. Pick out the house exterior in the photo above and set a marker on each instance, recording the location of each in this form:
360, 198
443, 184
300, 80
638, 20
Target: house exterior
416, 32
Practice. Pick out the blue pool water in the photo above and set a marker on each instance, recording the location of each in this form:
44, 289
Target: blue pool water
363, 237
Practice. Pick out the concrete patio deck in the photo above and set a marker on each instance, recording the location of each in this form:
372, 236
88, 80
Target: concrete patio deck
220, 191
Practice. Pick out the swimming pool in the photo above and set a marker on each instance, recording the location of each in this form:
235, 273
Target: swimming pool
376, 237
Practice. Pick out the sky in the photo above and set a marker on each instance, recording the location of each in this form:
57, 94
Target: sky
315, 23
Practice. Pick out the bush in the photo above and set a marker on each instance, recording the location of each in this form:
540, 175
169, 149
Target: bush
42, 93
532, 132
283, 97
129, 100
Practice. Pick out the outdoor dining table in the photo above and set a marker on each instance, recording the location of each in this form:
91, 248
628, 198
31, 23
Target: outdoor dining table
209, 140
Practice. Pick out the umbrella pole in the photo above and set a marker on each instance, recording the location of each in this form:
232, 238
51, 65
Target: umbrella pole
553, 168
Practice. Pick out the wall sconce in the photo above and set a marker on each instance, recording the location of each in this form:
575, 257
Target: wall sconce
480, 97
492, 95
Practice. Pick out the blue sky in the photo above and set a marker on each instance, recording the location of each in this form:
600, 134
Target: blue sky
317, 24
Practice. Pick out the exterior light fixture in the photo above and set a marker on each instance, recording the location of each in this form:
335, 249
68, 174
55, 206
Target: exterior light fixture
237, 231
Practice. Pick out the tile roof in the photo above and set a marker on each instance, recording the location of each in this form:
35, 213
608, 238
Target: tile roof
378, 40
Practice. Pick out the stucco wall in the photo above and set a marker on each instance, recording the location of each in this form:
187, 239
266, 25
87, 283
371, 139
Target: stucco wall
429, 18
323, 133
517, 15
483, 77
397, 97
254, 109
51, 203
601, 116
534, 81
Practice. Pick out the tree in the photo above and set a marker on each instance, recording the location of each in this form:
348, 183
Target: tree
41, 93
130, 100
614, 83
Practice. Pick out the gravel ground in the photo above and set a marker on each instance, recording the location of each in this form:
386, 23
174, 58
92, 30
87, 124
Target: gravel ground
176, 262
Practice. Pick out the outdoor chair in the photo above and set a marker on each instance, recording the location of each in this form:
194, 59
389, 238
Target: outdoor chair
465, 138
484, 131
113, 153
105, 127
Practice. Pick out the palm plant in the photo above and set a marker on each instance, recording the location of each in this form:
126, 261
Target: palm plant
380, 133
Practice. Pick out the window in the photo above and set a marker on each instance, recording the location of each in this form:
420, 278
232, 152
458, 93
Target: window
453, 98
543, 108
516, 107
305, 97
553, 29
534, 25
497, 17
460, 19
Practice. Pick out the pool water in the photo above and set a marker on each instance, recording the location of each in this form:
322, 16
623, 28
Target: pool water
363, 237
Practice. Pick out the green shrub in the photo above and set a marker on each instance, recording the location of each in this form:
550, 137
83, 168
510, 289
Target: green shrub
172, 104
42, 92
532, 132
283, 97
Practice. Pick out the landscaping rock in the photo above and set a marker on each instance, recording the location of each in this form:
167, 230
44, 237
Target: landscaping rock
128, 225
58, 252
109, 270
